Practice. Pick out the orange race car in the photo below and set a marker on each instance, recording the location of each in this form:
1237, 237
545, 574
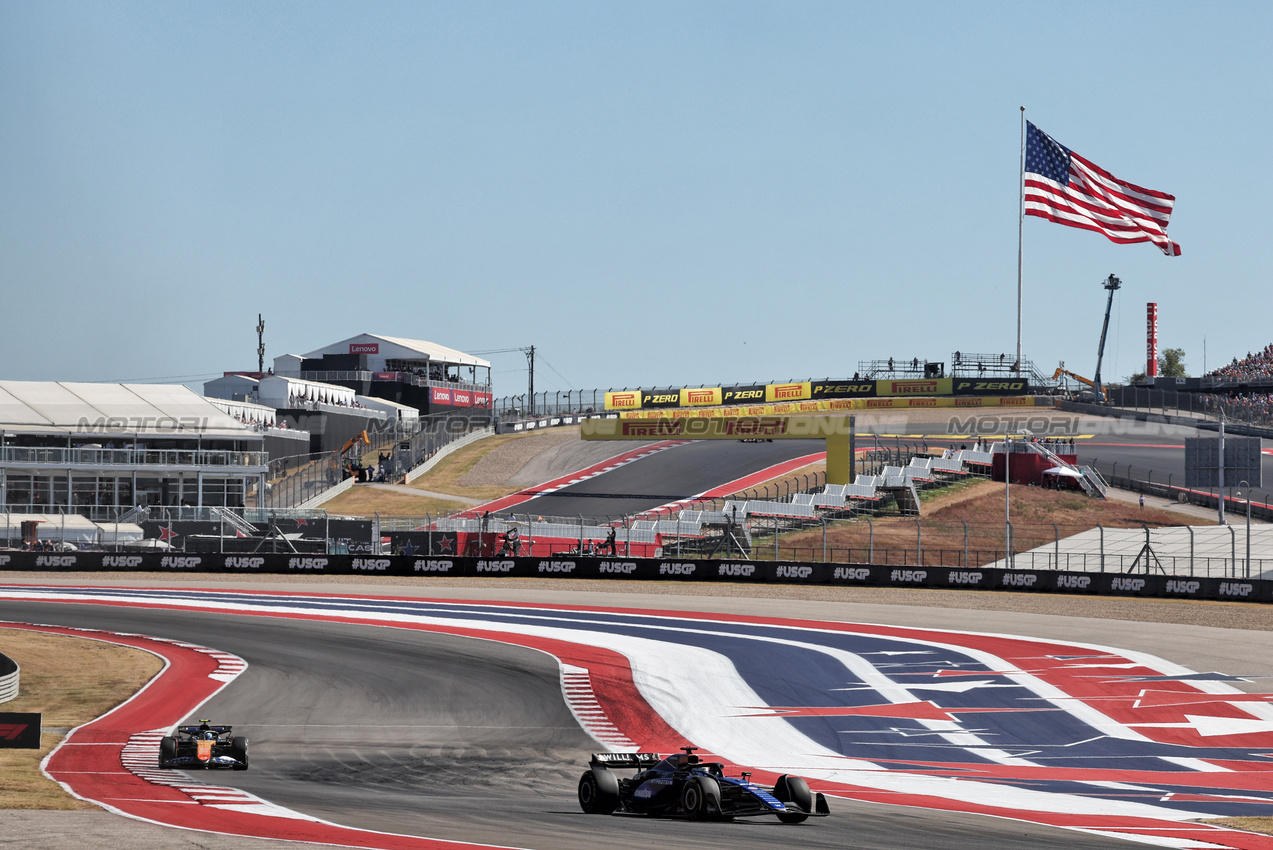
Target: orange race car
203, 747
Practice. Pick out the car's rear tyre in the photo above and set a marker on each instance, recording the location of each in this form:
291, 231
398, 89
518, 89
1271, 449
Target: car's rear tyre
596, 796
167, 750
239, 752
794, 790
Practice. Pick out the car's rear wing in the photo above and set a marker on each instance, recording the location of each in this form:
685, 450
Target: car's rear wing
635, 761
195, 730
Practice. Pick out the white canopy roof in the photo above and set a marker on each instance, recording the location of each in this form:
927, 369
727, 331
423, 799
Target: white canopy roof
54, 407
391, 347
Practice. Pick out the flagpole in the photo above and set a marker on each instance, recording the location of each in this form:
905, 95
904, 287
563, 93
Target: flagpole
1020, 230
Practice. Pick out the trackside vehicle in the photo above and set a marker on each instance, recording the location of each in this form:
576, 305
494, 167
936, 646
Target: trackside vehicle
682, 785
204, 747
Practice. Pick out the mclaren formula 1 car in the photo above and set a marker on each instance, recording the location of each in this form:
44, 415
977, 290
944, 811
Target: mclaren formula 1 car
204, 746
682, 785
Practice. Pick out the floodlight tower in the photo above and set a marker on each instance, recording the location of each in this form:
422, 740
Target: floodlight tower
1112, 285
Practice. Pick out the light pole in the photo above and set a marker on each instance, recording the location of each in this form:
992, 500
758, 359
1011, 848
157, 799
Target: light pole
1241, 485
1007, 499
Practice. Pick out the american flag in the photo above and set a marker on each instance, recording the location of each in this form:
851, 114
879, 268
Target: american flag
1064, 187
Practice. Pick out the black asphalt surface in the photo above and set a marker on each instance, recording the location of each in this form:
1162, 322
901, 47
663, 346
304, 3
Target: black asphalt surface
667, 476
446, 737
1152, 450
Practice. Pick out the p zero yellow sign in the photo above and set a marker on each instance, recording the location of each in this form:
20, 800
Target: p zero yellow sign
623, 400
788, 392
701, 397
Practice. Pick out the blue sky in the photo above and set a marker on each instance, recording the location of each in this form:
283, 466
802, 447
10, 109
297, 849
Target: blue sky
650, 193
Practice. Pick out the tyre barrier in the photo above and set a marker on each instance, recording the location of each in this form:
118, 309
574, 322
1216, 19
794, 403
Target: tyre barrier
654, 569
8, 678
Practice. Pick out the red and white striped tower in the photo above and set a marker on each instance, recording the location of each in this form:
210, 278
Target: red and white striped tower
1151, 342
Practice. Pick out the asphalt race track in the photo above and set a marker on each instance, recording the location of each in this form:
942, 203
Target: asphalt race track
689, 470
466, 739
677, 473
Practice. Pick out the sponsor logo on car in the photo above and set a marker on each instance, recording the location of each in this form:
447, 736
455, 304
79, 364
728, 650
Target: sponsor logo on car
433, 565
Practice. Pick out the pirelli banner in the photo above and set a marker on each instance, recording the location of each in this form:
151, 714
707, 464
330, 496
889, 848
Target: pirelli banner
834, 405
810, 391
718, 428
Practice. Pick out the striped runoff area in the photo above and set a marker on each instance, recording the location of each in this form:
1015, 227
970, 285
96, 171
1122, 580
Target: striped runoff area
1073, 735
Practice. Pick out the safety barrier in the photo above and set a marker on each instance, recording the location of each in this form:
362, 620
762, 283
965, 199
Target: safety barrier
709, 570
8, 678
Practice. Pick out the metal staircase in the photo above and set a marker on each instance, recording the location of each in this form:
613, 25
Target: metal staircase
1087, 477
238, 523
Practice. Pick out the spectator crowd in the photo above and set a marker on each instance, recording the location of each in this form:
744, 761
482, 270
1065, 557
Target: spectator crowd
1245, 407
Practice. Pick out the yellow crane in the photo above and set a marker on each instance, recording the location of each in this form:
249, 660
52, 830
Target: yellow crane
1098, 393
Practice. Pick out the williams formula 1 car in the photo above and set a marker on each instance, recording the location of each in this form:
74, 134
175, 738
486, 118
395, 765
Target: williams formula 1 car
682, 785
204, 746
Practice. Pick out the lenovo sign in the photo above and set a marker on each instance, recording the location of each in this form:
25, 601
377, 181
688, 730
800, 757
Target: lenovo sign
364, 348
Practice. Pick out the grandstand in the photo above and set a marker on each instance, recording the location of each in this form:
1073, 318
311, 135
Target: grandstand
100, 449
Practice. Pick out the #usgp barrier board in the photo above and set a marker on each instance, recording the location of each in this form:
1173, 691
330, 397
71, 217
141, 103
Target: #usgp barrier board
652, 569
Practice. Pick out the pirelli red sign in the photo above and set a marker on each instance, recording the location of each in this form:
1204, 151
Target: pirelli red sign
20, 730
718, 428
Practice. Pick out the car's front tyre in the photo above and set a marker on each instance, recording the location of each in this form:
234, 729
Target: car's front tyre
239, 752
700, 798
795, 791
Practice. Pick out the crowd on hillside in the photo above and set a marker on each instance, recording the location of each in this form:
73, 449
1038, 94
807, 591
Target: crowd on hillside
1245, 407
1257, 365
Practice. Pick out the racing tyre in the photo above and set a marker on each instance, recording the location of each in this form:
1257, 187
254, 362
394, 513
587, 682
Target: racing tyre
794, 790
239, 751
700, 798
596, 796
167, 750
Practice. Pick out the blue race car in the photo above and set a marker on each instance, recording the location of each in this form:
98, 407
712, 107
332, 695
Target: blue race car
682, 785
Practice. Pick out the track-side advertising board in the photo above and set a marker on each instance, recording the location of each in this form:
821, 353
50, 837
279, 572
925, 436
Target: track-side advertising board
655, 569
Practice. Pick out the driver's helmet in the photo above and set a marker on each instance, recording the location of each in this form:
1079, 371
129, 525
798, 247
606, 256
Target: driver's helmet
208, 736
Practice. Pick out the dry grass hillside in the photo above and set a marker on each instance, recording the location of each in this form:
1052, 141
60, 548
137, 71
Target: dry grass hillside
1035, 511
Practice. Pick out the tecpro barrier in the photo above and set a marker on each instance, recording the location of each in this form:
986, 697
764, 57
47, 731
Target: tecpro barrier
654, 569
